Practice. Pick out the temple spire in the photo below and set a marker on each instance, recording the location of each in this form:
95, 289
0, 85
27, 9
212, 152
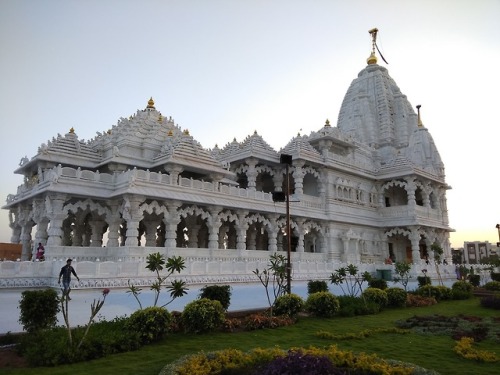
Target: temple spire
419, 119
373, 59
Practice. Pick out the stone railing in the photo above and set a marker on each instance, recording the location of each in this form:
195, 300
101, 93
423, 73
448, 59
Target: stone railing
107, 267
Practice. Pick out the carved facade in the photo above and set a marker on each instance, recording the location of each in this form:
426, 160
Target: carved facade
371, 188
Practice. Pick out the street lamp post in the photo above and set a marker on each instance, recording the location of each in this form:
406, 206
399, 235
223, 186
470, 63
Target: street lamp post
285, 197
498, 227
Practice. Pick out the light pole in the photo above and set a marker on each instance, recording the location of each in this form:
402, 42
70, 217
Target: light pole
288, 235
498, 227
280, 197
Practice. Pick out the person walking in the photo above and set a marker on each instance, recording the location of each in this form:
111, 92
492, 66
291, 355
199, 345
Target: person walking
65, 273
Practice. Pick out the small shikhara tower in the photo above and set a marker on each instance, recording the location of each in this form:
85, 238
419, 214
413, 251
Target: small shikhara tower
371, 188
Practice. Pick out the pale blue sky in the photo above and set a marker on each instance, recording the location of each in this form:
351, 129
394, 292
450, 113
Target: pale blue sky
223, 69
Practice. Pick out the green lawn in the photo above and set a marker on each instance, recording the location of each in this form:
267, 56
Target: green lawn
433, 352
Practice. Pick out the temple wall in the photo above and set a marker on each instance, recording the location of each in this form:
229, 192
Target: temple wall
203, 266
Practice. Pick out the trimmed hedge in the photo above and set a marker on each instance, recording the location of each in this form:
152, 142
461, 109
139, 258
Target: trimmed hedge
39, 309
202, 315
323, 304
151, 323
288, 304
221, 293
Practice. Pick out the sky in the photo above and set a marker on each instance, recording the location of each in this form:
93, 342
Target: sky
226, 68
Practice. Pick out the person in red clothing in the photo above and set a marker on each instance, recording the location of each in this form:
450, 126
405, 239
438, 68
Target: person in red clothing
40, 252
65, 273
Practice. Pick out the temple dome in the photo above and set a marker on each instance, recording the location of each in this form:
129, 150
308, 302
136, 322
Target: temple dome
423, 152
375, 112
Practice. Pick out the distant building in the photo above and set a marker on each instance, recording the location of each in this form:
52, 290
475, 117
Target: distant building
371, 188
476, 251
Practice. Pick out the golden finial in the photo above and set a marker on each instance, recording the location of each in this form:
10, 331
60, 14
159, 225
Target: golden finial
109, 131
151, 103
160, 118
72, 131
186, 132
419, 119
170, 133
373, 59
327, 123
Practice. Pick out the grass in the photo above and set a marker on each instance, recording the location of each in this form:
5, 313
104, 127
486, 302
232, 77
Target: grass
432, 352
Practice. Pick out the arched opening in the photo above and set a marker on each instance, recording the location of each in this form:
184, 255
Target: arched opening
311, 185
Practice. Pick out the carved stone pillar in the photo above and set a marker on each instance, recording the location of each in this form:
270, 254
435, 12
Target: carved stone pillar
410, 189
114, 220
214, 223
97, 226
132, 215
252, 238
56, 215
273, 234
278, 178
300, 232
430, 252
151, 228
322, 184
298, 176
415, 245
194, 229
241, 230
174, 171
41, 221
223, 232
426, 196
345, 252
79, 229
171, 221
251, 173
26, 251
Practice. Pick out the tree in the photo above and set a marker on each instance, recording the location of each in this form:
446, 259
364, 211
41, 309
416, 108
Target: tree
276, 271
402, 270
349, 275
156, 262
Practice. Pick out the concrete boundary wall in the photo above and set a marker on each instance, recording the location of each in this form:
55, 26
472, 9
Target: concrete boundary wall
199, 270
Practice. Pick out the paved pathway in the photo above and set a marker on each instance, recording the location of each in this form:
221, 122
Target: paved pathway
120, 303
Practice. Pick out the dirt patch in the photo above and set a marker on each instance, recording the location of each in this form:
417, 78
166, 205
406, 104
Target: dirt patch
10, 359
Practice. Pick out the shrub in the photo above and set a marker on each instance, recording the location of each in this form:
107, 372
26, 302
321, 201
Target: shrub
202, 315
438, 292
288, 304
261, 321
495, 276
50, 348
233, 361
39, 309
414, 300
462, 290
378, 283
376, 295
298, 363
444, 292
323, 304
491, 302
151, 323
475, 280
221, 293
492, 285
314, 286
423, 280
465, 349
396, 297
351, 306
